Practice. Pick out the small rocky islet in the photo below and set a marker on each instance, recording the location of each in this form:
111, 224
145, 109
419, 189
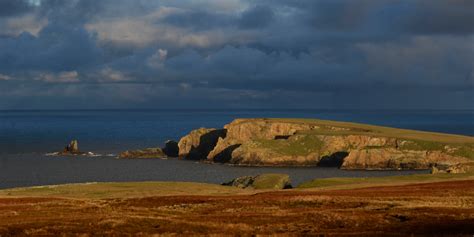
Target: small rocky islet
72, 149
311, 142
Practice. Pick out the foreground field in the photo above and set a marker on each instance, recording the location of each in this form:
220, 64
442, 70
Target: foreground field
440, 208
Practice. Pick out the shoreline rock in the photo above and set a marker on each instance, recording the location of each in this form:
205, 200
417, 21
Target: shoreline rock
148, 153
263, 181
169, 150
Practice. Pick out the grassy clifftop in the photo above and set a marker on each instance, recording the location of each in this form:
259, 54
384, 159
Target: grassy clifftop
346, 128
312, 142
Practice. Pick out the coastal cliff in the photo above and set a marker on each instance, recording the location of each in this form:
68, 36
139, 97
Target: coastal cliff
308, 142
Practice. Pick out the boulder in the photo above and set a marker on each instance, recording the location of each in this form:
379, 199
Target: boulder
148, 153
263, 181
448, 169
198, 143
241, 182
171, 148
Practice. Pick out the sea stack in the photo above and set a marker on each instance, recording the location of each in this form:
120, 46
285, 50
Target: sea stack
73, 147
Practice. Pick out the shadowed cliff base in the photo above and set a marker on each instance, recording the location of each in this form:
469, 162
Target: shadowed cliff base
199, 143
334, 160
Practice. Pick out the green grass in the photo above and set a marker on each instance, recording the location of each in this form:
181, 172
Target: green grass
296, 145
122, 190
418, 145
465, 151
372, 181
271, 181
148, 189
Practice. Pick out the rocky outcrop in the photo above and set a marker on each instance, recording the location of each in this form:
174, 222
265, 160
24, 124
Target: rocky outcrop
286, 142
251, 129
391, 158
277, 143
263, 181
198, 143
241, 182
241, 143
171, 148
448, 169
71, 149
148, 153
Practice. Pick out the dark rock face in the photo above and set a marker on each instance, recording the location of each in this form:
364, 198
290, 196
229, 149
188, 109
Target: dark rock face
171, 148
73, 146
199, 143
263, 181
149, 153
334, 160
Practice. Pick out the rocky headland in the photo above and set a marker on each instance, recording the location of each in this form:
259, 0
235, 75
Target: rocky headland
309, 142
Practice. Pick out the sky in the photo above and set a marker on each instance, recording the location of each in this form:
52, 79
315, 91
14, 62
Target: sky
292, 54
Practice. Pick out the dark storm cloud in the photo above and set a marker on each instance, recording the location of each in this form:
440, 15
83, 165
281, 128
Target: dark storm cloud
256, 17
71, 12
447, 17
14, 7
311, 52
57, 47
199, 20
413, 17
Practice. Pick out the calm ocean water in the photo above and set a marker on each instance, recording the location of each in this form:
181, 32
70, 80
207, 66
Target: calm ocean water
25, 136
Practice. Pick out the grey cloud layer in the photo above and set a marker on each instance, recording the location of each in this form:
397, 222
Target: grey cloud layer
315, 53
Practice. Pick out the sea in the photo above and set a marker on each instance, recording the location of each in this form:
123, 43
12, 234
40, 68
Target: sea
28, 136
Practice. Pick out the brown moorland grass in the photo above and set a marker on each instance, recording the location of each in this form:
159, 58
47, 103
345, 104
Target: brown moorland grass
441, 208
122, 190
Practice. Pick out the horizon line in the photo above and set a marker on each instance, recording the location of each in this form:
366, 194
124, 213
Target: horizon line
233, 109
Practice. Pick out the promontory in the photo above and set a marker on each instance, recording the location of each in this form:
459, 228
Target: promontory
311, 142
